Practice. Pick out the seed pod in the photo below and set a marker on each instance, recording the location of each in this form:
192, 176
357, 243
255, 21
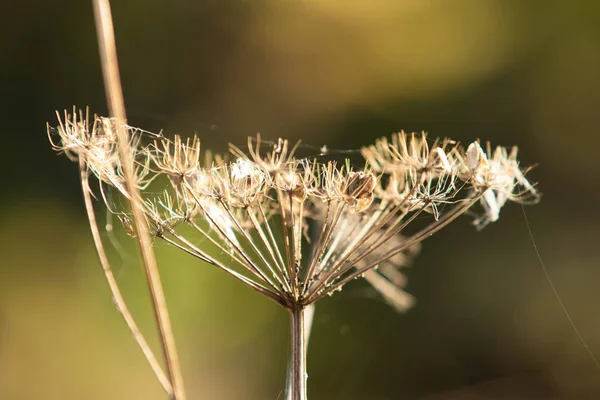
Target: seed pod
126, 221
475, 156
293, 184
359, 190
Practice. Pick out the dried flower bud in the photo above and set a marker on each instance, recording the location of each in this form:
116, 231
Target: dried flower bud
292, 183
178, 159
126, 221
439, 160
359, 190
247, 182
476, 158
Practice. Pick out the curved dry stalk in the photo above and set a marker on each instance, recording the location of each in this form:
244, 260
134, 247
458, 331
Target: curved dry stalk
114, 286
116, 105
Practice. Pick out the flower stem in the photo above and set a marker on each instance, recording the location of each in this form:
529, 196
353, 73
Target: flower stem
114, 286
116, 105
309, 313
298, 354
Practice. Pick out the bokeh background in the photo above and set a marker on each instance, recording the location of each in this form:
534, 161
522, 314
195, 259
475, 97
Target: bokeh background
338, 72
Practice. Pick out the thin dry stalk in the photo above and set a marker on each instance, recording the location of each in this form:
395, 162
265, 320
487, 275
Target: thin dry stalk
114, 286
116, 104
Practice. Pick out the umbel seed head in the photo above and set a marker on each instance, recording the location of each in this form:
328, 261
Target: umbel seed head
298, 229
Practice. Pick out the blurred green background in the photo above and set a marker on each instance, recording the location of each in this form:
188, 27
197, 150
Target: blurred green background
336, 72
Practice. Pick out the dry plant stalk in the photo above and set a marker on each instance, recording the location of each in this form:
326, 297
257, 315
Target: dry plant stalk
113, 285
259, 208
116, 105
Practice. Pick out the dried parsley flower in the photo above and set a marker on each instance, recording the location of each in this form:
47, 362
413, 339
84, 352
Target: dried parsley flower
298, 229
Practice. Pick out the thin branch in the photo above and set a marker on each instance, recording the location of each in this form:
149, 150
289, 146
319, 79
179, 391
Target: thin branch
284, 270
114, 286
325, 241
280, 267
286, 239
251, 265
252, 244
416, 238
194, 251
335, 270
315, 245
116, 105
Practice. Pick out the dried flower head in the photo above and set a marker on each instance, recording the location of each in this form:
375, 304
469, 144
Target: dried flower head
297, 229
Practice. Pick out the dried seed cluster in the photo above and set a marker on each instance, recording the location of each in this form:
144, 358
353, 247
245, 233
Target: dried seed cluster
297, 229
